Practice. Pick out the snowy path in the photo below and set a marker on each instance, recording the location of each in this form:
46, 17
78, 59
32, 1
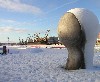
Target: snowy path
43, 65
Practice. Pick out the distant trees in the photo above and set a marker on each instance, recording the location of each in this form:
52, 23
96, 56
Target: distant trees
35, 38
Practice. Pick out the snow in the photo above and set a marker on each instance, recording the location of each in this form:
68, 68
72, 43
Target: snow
90, 25
44, 65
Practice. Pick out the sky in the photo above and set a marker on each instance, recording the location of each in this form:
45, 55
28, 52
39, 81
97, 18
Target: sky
24, 18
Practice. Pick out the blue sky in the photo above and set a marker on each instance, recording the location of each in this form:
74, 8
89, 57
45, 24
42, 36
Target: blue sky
18, 18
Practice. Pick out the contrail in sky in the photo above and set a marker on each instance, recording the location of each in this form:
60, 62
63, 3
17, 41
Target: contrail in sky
61, 6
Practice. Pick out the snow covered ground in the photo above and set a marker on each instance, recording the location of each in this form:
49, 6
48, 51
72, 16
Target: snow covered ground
44, 65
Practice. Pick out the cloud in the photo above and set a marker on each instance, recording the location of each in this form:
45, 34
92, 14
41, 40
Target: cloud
16, 5
12, 29
7, 21
68, 3
13, 23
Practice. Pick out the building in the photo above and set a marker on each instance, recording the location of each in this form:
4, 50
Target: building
53, 40
98, 40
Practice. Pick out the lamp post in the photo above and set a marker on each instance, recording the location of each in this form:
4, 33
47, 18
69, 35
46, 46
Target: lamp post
8, 40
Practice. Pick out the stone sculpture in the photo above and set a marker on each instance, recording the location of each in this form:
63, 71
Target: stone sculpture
77, 30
